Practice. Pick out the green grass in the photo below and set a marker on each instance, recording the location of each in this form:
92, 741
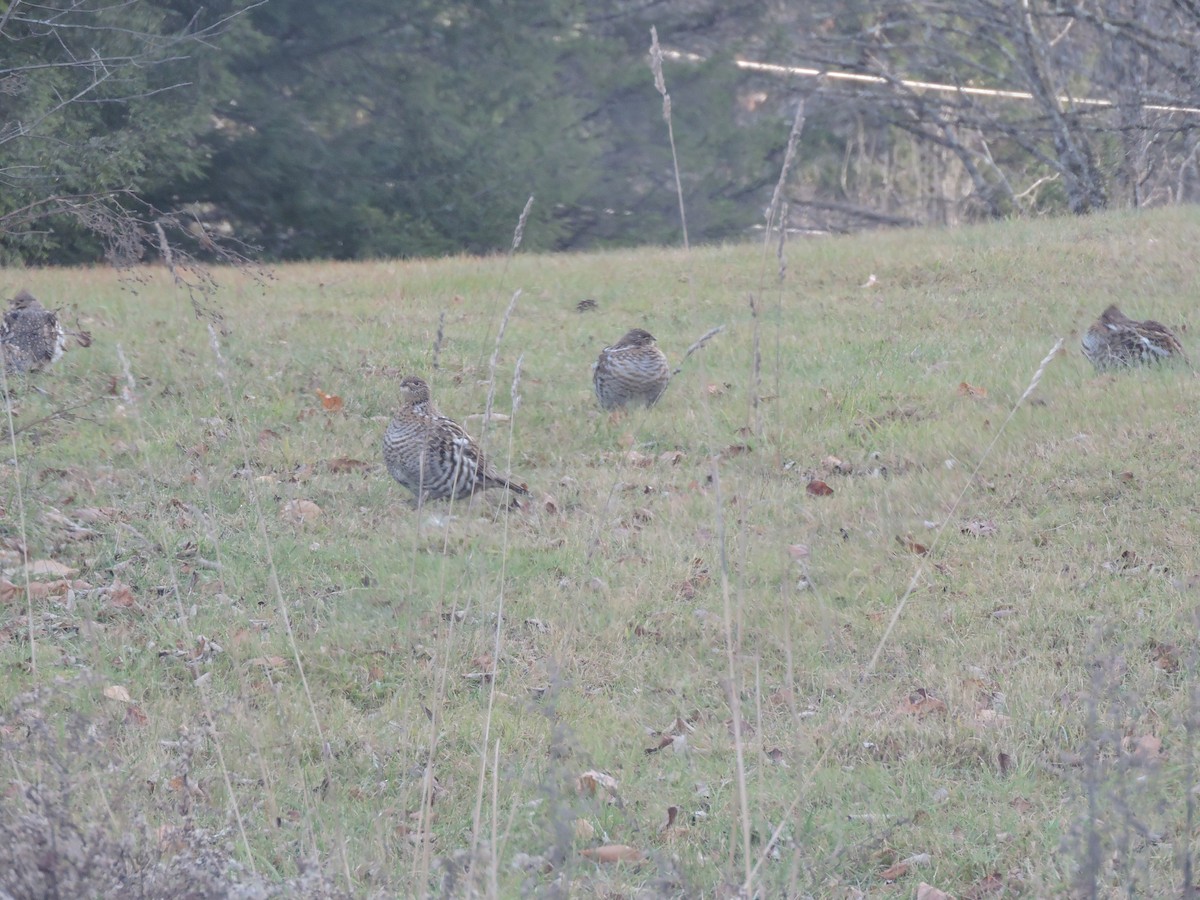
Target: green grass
1040, 639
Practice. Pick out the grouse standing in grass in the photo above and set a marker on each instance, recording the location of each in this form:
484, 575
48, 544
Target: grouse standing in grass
30, 336
631, 371
1116, 341
432, 455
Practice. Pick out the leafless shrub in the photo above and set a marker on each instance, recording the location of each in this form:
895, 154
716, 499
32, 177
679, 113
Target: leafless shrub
71, 824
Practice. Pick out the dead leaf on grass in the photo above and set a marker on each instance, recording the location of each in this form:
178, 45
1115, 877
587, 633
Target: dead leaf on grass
979, 527
921, 703
971, 390
614, 853
672, 815
118, 693
268, 662
1165, 656
1005, 762
818, 488
745, 730
96, 514
836, 466
929, 892
330, 402
911, 545
639, 460
299, 512
50, 567
986, 887
1145, 750
121, 595
591, 783
665, 741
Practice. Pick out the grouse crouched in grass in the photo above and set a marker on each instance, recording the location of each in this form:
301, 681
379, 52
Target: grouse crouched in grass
631, 371
432, 455
1116, 341
30, 336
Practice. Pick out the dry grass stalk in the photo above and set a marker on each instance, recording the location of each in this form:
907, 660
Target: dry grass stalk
773, 209
497, 640
491, 397
519, 232
696, 345
437, 341
660, 84
756, 368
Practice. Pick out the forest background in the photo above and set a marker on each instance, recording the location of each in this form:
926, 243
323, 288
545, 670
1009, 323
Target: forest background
369, 129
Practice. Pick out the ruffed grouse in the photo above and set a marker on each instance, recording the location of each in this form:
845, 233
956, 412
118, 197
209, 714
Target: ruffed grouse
30, 336
1116, 341
432, 455
631, 371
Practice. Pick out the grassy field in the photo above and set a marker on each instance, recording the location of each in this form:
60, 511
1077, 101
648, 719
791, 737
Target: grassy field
261, 652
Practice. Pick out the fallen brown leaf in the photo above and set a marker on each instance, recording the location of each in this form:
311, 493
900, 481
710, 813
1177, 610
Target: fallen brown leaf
672, 815
1165, 656
330, 402
971, 390
665, 741
921, 703
929, 892
911, 545
985, 887
593, 782
50, 567
267, 662
1146, 750
298, 512
120, 595
614, 853
96, 514
979, 527
118, 693
818, 488
639, 460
